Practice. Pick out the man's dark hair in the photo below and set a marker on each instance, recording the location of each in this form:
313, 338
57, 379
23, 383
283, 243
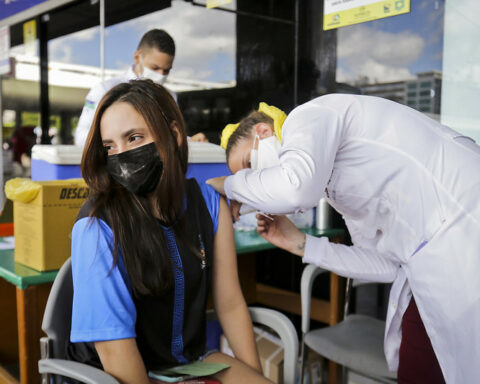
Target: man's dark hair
159, 39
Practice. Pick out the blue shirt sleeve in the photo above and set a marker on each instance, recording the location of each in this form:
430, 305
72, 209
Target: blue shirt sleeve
212, 200
103, 308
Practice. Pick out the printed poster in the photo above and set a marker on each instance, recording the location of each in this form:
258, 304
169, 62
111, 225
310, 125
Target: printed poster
30, 37
217, 3
340, 13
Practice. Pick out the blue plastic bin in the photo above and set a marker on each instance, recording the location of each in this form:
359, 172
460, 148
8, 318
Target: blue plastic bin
55, 162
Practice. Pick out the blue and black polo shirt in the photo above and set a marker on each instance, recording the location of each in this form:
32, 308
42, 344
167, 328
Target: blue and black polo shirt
169, 329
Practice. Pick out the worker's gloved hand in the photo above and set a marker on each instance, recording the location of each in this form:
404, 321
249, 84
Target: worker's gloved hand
235, 207
280, 231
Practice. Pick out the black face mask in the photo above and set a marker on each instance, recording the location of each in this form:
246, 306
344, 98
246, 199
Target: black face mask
138, 170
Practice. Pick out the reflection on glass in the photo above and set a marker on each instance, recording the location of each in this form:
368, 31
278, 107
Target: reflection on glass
399, 58
73, 69
205, 43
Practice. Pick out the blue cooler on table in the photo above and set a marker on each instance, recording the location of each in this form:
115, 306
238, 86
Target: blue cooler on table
56, 162
206, 160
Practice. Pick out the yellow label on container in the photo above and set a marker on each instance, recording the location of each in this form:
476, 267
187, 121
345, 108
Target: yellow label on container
347, 12
30, 37
217, 3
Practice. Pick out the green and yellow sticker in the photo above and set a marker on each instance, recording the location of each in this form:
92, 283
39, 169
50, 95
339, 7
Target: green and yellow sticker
217, 3
340, 13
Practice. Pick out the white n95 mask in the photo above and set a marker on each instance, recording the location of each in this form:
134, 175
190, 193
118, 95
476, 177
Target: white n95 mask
267, 153
254, 154
154, 76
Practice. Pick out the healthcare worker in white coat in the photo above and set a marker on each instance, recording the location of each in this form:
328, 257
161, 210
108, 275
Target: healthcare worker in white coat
153, 60
408, 189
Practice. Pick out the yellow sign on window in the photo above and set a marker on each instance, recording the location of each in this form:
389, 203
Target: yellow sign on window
217, 3
340, 13
30, 37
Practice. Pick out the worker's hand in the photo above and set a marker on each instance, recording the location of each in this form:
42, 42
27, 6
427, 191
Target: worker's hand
235, 209
200, 137
217, 183
280, 231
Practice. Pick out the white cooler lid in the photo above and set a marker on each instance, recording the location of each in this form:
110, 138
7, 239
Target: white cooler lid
72, 154
205, 153
58, 154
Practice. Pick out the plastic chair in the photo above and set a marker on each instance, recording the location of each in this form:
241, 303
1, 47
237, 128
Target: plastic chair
356, 343
57, 322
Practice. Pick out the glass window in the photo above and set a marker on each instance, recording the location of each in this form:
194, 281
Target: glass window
74, 67
400, 49
205, 42
205, 58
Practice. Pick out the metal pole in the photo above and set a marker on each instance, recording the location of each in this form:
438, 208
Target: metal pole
44, 98
295, 62
102, 39
2, 196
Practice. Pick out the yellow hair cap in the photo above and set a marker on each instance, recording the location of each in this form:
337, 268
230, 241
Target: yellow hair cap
226, 133
276, 114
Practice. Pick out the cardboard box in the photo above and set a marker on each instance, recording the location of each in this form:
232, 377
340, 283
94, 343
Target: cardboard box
43, 226
270, 351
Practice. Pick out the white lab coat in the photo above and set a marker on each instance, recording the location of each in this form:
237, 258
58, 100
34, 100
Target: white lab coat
399, 179
94, 96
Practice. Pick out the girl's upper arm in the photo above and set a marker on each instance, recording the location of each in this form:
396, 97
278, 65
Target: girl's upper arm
102, 308
226, 287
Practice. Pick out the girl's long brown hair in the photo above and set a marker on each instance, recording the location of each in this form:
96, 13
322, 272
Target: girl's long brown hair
137, 234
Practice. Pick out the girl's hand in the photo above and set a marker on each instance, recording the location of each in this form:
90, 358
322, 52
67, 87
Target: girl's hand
282, 232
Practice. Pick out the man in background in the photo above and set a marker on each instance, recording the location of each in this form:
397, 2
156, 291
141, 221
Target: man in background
153, 60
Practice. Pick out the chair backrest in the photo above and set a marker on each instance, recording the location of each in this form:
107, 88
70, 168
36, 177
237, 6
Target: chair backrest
57, 319
284, 328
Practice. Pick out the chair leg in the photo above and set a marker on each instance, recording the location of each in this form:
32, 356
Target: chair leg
303, 357
344, 375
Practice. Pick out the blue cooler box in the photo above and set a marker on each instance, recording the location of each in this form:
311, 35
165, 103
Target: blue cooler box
54, 162
206, 160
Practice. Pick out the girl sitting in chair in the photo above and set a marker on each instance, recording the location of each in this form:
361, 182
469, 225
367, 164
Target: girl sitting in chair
148, 245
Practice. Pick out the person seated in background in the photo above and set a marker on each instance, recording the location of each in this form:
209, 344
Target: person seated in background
153, 60
148, 245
